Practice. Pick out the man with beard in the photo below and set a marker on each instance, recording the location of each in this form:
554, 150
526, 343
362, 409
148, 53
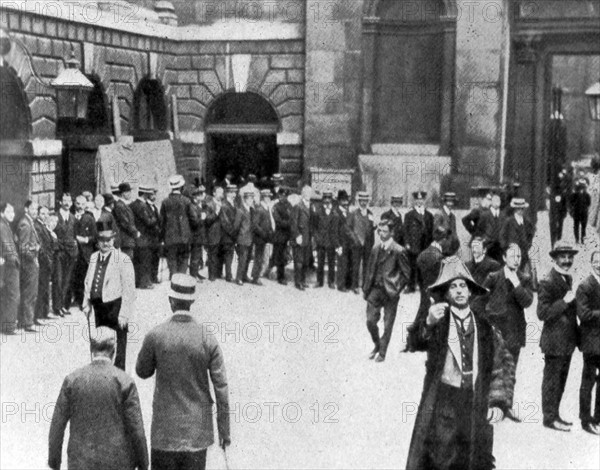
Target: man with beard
468, 379
394, 215
9, 271
386, 274
282, 213
418, 230
29, 248
66, 257
85, 233
588, 310
146, 222
429, 263
558, 310
509, 295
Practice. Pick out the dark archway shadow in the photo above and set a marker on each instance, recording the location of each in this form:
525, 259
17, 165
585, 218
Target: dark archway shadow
150, 111
15, 115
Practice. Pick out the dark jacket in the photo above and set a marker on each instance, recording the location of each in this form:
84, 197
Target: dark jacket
261, 226
183, 353
579, 203
505, 306
126, 222
560, 331
8, 249
146, 221
417, 231
472, 222
481, 270
490, 226
396, 270
348, 239
198, 226
65, 234
493, 388
108, 219
363, 227
27, 238
212, 224
588, 311
48, 245
326, 228
85, 226
398, 226
522, 235
176, 215
300, 224
243, 225
102, 405
227, 218
282, 213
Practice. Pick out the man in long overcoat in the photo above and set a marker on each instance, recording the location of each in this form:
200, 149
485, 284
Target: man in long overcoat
46, 260
362, 223
300, 238
125, 219
102, 406
418, 230
447, 219
243, 229
263, 226
467, 383
228, 233
85, 234
213, 232
282, 215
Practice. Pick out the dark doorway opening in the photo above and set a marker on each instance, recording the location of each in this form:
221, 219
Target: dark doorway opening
242, 154
150, 112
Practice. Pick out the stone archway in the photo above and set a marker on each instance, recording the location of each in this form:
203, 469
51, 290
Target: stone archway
15, 119
241, 130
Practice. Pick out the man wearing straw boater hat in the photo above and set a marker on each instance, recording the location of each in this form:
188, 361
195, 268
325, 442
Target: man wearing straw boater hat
560, 334
362, 223
146, 221
182, 353
110, 289
468, 380
517, 228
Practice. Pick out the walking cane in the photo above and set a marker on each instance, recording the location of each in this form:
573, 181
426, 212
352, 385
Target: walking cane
226, 460
89, 330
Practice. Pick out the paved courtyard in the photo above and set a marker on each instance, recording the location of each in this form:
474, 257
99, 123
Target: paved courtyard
303, 393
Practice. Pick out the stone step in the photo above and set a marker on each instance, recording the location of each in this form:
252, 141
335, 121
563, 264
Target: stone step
406, 149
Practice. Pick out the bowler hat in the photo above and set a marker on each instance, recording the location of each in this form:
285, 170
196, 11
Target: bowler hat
108, 199
453, 268
176, 182
124, 188
343, 195
105, 229
327, 195
561, 247
183, 287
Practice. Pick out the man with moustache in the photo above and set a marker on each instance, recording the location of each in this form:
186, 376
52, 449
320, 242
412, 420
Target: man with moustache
213, 233
481, 265
558, 310
588, 311
510, 293
85, 233
282, 215
125, 219
66, 257
146, 222
29, 248
468, 382
301, 237
46, 259
418, 230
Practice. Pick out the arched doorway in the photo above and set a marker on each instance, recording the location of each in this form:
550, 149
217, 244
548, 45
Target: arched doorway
150, 111
241, 131
15, 118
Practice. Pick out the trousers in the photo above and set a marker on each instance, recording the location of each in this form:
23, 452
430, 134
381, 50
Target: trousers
29, 279
376, 300
556, 371
166, 460
589, 377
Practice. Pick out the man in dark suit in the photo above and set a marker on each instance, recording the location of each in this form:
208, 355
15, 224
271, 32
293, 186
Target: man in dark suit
509, 295
125, 219
300, 237
183, 353
387, 273
146, 222
418, 230
243, 229
176, 215
472, 221
481, 265
588, 311
66, 257
490, 225
559, 194
468, 383
558, 310
9, 271
198, 232
155, 239
213, 233
29, 248
394, 215
228, 233
326, 226
447, 219
282, 213
580, 202
85, 233
102, 406
518, 229
263, 226
46, 261
362, 224
429, 263
348, 242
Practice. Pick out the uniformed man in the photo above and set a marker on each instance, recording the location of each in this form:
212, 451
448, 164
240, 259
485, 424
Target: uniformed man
326, 227
110, 289
125, 220
394, 215
29, 247
362, 224
418, 230
146, 221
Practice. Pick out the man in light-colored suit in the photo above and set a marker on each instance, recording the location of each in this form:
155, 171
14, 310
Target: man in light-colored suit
183, 353
102, 405
110, 289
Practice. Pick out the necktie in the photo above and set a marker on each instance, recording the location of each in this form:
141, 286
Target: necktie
461, 322
569, 280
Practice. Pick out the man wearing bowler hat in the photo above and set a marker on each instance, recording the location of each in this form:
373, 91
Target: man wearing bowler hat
326, 226
394, 215
560, 334
146, 221
468, 382
282, 215
110, 289
447, 219
362, 223
186, 358
418, 231
472, 221
125, 219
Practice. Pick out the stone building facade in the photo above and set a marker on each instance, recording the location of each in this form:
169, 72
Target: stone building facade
407, 94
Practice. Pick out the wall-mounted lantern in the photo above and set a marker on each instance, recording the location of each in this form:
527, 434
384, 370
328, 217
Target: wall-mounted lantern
593, 96
72, 90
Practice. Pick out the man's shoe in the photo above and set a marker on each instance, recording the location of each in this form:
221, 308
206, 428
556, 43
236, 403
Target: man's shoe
373, 353
342, 289
257, 282
300, 287
318, 285
512, 417
562, 421
64, 312
331, 285
380, 358
29, 329
36, 322
356, 291
591, 428
239, 283
283, 282
557, 426
200, 277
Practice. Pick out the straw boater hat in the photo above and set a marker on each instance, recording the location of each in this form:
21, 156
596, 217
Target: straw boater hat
449, 197
105, 229
453, 268
327, 195
232, 188
397, 199
146, 189
183, 287
266, 193
176, 182
277, 178
363, 196
561, 247
419, 194
519, 203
